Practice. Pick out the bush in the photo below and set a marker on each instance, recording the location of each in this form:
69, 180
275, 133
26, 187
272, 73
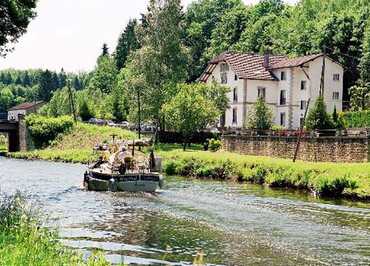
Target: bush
356, 119
44, 129
318, 118
260, 117
214, 145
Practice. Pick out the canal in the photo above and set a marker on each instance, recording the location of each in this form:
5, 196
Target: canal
231, 224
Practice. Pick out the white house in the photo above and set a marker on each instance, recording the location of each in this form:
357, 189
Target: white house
23, 109
285, 83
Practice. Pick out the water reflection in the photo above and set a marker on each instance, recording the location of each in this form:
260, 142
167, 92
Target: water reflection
231, 224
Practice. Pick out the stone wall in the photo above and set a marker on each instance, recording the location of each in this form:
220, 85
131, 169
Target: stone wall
323, 149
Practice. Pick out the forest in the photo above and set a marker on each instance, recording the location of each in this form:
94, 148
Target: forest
171, 45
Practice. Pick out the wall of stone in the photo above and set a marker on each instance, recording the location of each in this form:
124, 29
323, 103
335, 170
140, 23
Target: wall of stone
323, 149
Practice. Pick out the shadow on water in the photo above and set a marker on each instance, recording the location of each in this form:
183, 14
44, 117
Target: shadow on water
232, 224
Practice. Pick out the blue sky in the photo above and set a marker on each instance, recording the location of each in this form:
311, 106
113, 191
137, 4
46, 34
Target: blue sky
70, 33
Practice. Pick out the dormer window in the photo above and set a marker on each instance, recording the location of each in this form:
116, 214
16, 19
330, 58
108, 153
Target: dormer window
224, 67
282, 75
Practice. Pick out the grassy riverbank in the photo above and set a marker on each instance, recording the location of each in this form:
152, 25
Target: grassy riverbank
77, 145
24, 242
330, 179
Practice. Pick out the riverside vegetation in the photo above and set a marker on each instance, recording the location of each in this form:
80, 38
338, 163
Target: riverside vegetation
74, 142
24, 242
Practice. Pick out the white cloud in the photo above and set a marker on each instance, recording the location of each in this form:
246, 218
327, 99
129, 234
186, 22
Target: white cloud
70, 33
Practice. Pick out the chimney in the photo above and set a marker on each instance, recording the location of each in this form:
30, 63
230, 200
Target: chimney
266, 61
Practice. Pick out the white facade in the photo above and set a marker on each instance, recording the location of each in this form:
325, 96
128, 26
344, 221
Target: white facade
299, 85
13, 115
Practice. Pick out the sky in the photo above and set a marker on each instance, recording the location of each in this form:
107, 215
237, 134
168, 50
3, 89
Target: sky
69, 34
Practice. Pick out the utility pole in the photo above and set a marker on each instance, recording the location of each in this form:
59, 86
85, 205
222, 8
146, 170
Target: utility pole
139, 113
301, 132
322, 84
71, 101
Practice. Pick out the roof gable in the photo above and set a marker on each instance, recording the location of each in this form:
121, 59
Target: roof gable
25, 106
251, 66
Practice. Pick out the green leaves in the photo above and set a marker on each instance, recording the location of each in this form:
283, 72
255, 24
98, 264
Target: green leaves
318, 118
260, 116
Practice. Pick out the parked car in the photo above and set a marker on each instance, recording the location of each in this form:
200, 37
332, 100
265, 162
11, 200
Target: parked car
97, 121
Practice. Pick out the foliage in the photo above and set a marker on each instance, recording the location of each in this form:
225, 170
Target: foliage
356, 119
84, 111
260, 117
43, 129
337, 120
127, 43
15, 17
190, 111
76, 145
215, 144
104, 77
360, 97
330, 179
318, 118
3, 143
161, 62
24, 242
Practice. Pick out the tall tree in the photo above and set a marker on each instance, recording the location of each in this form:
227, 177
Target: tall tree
127, 43
105, 50
201, 19
162, 60
105, 75
15, 17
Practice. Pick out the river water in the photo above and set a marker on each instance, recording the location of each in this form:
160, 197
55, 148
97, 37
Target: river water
231, 224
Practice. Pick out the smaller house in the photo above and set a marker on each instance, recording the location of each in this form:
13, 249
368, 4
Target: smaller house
23, 109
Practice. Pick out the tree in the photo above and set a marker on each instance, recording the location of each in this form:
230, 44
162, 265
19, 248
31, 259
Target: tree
318, 118
46, 85
6, 99
360, 97
260, 116
189, 111
15, 17
201, 19
161, 62
105, 75
84, 111
337, 120
105, 50
127, 43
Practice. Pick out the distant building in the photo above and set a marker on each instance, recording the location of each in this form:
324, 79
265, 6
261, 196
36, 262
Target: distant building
23, 109
285, 84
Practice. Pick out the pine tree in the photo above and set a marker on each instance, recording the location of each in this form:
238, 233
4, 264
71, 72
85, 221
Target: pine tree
127, 43
318, 118
105, 50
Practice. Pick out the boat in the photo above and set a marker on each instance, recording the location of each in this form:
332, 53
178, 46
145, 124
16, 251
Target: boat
120, 168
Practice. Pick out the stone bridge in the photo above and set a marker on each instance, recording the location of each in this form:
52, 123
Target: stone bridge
17, 133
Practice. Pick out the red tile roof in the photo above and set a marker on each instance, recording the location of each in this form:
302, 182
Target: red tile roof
25, 106
250, 66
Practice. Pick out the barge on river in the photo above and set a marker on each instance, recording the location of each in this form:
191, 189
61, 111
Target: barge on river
122, 168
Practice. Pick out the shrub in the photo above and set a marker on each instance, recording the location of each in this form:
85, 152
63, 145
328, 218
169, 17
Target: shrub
356, 119
260, 116
318, 118
43, 129
214, 145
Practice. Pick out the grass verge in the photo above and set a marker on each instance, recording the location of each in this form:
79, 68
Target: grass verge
24, 242
327, 179
77, 145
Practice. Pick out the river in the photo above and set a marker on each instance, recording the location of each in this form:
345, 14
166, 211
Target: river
232, 224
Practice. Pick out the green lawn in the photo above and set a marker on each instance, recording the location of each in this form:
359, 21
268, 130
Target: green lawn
334, 179
77, 146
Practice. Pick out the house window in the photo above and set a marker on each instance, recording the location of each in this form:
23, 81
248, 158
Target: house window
235, 116
224, 67
223, 78
336, 77
262, 93
282, 76
303, 105
235, 95
283, 97
236, 77
282, 119
303, 85
335, 95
